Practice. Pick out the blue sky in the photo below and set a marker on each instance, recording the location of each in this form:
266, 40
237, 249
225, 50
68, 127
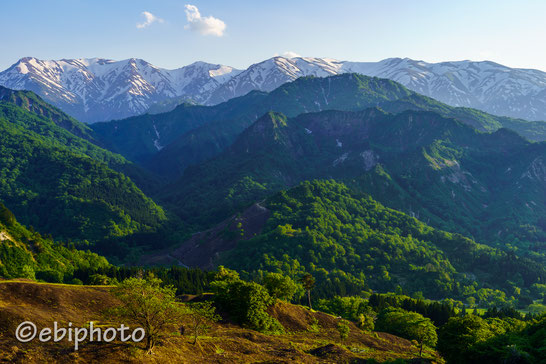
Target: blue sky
239, 33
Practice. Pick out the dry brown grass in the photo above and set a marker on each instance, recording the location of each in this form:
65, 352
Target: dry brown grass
311, 336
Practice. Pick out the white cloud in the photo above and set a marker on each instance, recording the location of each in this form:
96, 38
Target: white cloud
207, 25
149, 20
288, 54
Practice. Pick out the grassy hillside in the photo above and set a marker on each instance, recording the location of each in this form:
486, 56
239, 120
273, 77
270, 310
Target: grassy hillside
311, 337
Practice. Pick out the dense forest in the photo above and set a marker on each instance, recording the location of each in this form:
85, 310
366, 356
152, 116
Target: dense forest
453, 327
27, 254
352, 243
62, 185
488, 186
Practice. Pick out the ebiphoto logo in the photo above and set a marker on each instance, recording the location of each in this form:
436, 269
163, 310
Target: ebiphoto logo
28, 331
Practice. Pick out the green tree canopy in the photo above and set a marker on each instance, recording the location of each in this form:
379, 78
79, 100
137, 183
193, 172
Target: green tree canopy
147, 304
459, 334
410, 325
246, 302
280, 286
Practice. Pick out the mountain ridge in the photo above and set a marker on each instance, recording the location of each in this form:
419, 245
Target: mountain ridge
167, 143
97, 89
436, 168
484, 85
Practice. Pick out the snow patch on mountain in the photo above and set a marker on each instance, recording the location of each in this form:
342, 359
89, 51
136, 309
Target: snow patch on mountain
98, 89
101, 89
370, 159
341, 159
483, 85
157, 144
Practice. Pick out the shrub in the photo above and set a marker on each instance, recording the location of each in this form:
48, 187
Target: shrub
343, 329
246, 302
409, 325
280, 286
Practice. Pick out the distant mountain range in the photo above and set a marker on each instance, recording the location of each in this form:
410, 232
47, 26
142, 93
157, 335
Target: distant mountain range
99, 89
458, 169
168, 143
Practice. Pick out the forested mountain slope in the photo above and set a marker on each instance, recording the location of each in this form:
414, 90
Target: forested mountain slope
350, 242
488, 186
62, 184
26, 254
33, 103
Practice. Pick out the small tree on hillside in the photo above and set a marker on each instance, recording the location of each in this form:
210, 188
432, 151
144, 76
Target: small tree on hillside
308, 282
366, 320
343, 329
202, 316
147, 304
425, 332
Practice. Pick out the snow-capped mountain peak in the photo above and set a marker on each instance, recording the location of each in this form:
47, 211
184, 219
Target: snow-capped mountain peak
95, 89
101, 89
483, 85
